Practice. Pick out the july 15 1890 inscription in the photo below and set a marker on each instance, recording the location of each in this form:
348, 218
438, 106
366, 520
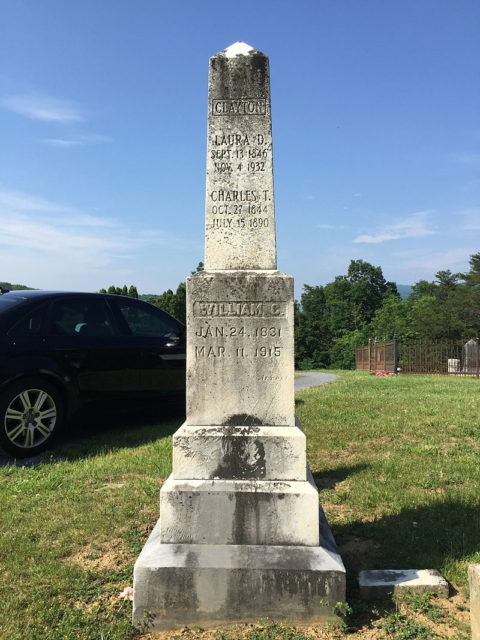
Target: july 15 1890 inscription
239, 534
240, 216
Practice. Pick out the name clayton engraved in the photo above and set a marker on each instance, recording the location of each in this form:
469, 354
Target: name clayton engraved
241, 107
240, 309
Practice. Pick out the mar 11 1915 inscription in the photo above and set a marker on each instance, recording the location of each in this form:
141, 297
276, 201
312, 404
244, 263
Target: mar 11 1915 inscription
240, 348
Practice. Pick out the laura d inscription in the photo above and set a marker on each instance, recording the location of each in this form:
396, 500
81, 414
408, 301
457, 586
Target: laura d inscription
240, 223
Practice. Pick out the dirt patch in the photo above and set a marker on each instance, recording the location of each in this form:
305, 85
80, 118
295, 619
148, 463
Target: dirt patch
358, 552
328, 481
110, 485
450, 620
110, 555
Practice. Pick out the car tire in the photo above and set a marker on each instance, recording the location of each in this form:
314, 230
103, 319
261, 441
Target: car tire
31, 414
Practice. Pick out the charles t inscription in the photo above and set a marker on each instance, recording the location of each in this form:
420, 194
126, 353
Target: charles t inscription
239, 220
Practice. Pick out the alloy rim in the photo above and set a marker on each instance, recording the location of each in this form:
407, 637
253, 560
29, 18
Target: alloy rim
30, 418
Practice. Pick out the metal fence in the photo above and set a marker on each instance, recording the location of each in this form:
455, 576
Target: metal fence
377, 356
415, 356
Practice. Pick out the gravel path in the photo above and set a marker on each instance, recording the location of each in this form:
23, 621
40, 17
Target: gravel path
311, 379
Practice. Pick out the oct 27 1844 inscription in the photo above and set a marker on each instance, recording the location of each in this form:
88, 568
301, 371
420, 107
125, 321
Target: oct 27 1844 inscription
240, 535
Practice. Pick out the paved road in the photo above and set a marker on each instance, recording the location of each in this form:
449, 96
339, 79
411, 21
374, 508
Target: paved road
312, 379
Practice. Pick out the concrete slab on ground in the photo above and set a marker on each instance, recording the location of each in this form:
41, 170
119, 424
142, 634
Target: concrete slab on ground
380, 583
474, 580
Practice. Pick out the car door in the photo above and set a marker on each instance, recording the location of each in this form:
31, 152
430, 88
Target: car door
160, 341
83, 334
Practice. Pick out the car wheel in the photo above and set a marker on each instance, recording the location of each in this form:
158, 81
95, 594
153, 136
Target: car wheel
31, 414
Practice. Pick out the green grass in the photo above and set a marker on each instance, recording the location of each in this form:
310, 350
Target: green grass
400, 460
397, 461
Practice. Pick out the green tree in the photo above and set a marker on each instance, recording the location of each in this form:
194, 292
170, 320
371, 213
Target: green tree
166, 301
389, 320
332, 320
132, 291
367, 292
200, 267
180, 303
311, 332
342, 350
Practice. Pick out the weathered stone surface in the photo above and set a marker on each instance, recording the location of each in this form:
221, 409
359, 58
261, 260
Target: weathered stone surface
380, 583
181, 584
474, 582
240, 221
238, 535
240, 361
239, 453
259, 512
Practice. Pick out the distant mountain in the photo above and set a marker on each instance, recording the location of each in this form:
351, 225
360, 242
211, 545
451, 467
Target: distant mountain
404, 290
13, 287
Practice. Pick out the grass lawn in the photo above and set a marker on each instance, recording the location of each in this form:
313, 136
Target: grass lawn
397, 463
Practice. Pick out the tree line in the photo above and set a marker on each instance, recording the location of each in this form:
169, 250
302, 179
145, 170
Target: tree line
332, 319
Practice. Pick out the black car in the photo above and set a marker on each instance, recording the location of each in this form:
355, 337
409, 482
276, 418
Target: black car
60, 351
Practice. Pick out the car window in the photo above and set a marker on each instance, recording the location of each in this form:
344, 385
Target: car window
30, 324
80, 316
146, 320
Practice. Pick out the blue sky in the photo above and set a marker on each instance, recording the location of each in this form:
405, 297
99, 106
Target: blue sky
103, 105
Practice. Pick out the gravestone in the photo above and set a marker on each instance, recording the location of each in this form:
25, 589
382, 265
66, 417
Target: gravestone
240, 534
471, 362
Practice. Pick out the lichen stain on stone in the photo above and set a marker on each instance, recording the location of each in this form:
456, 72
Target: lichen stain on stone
243, 419
243, 458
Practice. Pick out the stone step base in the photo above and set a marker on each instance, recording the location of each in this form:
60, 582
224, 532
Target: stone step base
210, 585
239, 453
251, 512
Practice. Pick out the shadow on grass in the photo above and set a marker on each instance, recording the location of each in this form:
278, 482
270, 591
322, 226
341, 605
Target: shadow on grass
441, 536
96, 430
329, 478
433, 536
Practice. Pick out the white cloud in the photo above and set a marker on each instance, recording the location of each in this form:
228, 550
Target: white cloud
39, 106
414, 226
433, 261
50, 245
76, 141
331, 226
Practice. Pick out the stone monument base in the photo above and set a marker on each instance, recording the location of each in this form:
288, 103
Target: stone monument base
210, 585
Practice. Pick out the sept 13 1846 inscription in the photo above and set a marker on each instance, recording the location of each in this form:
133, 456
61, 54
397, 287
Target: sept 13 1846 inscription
240, 215
240, 310
239, 534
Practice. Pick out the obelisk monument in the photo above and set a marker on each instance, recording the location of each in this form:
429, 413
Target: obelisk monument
239, 535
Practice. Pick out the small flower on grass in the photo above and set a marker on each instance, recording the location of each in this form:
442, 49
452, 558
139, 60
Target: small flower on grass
382, 373
126, 594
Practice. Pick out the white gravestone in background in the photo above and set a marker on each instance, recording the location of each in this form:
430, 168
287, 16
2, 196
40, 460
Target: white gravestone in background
239, 535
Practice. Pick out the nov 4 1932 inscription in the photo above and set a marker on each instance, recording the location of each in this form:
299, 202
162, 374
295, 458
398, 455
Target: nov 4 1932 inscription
240, 220
239, 518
